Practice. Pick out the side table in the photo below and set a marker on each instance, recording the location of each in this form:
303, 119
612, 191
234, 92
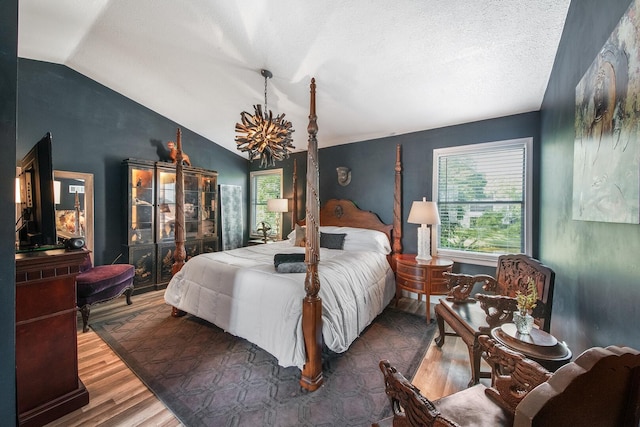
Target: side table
538, 345
422, 277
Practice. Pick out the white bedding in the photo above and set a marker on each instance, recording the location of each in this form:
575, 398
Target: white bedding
241, 292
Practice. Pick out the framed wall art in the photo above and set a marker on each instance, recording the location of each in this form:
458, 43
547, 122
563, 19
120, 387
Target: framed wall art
606, 169
231, 216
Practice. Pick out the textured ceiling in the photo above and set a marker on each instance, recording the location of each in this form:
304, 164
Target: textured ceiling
382, 67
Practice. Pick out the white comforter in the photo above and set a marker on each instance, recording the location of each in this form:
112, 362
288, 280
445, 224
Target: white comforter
240, 292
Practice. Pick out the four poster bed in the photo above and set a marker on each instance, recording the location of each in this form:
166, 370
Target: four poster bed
291, 315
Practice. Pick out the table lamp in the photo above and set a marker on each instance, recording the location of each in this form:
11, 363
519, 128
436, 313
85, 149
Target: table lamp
424, 213
279, 206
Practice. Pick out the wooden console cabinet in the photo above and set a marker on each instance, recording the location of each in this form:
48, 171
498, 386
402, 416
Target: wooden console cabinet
47, 380
421, 277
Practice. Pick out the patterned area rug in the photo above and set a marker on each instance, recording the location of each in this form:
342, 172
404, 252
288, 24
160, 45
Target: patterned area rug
207, 377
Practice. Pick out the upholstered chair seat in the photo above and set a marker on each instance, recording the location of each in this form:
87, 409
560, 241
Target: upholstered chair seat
99, 284
472, 407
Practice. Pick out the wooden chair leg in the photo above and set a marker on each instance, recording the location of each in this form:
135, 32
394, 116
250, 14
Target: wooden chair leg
85, 310
475, 352
440, 320
128, 294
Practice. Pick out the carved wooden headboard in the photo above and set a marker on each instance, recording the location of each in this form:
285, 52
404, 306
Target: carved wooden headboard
345, 213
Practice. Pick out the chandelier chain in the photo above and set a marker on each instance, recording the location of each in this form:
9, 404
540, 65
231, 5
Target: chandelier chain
265, 94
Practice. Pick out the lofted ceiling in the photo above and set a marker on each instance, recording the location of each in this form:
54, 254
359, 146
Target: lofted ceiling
382, 67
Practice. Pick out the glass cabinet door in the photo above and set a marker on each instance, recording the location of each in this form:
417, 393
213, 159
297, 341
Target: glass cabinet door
166, 205
141, 204
166, 212
209, 185
191, 205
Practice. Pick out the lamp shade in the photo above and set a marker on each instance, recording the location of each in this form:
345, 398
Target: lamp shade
424, 212
278, 205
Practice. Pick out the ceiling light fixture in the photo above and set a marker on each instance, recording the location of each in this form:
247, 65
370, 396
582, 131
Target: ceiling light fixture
262, 136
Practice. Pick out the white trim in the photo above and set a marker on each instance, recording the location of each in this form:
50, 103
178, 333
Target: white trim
479, 258
252, 204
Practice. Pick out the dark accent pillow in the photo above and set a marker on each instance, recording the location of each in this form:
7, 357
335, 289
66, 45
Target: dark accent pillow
292, 267
287, 258
332, 241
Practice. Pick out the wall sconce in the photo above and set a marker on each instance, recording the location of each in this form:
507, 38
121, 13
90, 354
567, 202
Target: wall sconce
344, 175
279, 206
424, 213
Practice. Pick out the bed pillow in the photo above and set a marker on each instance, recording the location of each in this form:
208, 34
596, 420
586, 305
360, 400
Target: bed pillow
297, 237
332, 241
362, 239
292, 267
301, 236
287, 259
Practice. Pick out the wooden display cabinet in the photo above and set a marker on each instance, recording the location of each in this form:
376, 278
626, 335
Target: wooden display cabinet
165, 258
151, 204
143, 258
210, 245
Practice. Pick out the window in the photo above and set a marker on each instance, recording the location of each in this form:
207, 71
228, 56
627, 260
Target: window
265, 185
483, 196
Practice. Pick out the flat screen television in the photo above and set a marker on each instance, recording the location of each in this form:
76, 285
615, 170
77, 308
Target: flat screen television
37, 225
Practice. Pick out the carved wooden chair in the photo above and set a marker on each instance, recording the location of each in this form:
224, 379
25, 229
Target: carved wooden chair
600, 388
470, 318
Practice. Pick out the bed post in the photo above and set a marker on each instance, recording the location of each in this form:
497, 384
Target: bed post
180, 253
294, 210
311, 377
397, 209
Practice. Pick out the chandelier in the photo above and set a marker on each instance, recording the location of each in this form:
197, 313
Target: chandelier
263, 136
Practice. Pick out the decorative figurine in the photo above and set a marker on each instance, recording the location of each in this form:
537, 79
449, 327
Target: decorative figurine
265, 229
344, 175
173, 153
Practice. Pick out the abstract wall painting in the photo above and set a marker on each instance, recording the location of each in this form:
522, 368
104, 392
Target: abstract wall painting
606, 168
231, 216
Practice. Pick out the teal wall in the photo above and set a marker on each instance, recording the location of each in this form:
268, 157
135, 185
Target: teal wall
94, 128
372, 165
8, 87
597, 295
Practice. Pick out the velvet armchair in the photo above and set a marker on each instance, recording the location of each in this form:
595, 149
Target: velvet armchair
95, 285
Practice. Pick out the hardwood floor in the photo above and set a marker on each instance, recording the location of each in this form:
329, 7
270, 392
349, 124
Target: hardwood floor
116, 396
119, 398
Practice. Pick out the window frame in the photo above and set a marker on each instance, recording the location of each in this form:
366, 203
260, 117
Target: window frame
481, 258
253, 234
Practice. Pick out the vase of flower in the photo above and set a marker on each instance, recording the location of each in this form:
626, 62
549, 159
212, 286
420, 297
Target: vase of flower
523, 322
526, 302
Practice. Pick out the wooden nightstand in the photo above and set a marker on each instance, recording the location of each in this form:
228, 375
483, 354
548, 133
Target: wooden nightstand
421, 277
